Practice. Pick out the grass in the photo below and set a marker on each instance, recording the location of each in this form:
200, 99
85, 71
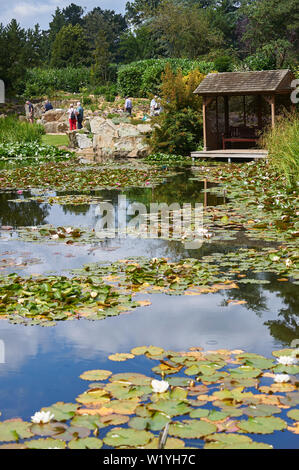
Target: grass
57, 140
12, 130
282, 143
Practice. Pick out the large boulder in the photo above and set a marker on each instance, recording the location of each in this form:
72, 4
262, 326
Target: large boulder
84, 141
54, 115
55, 127
95, 124
120, 141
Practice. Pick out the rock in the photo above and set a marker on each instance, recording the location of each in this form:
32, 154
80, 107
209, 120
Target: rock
120, 141
72, 135
144, 128
54, 115
83, 141
95, 124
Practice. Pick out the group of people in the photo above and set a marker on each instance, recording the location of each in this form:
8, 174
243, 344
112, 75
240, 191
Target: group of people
76, 116
155, 106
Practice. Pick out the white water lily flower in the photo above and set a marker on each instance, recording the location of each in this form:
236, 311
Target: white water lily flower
42, 417
288, 263
160, 386
281, 378
287, 360
275, 258
55, 237
69, 230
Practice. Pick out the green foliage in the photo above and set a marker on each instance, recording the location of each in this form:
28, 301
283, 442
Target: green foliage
70, 47
29, 153
274, 55
166, 158
223, 63
12, 130
179, 132
41, 82
282, 143
178, 128
144, 77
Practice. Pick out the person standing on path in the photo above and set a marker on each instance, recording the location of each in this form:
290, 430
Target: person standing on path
29, 108
128, 105
72, 118
80, 115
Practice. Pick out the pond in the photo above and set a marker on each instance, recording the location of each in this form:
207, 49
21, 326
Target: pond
42, 365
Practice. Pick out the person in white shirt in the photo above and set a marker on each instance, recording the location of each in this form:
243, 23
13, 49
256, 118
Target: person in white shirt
72, 118
155, 106
128, 105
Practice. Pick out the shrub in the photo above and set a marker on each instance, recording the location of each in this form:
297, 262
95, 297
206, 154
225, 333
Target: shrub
142, 78
40, 82
13, 130
282, 143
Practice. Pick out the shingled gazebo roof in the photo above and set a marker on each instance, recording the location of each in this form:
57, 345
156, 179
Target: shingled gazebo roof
246, 83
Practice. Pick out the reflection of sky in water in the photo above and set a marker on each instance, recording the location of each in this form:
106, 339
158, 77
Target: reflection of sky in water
43, 364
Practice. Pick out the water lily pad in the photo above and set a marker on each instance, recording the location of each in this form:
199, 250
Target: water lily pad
45, 444
261, 410
199, 413
171, 407
119, 437
171, 443
155, 423
262, 425
14, 429
94, 396
86, 443
62, 411
233, 441
293, 414
151, 350
191, 429
96, 375
131, 378
245, 371
120, 357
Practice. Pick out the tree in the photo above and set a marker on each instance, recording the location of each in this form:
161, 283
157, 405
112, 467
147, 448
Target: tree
56, 25
102, 58
111, 23
13, 51
139, 45
270, 20
73, 14
184, 31
139, 11
70, 47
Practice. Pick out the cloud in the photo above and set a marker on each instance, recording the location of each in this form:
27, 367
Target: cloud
28, 13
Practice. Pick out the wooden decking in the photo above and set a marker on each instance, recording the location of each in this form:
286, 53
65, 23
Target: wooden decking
253, 154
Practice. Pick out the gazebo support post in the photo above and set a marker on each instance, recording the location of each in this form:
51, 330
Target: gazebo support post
205, 102
226, 114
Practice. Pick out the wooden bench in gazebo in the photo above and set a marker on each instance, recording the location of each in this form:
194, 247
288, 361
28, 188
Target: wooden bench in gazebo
241, 134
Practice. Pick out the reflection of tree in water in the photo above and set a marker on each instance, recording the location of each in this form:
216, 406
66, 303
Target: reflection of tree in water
21, 214
253, 294
80, 209
286, 329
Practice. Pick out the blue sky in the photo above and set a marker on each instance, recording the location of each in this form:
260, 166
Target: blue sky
30, 12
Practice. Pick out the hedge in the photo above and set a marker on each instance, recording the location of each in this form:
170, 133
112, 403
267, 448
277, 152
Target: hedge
142, 78
40, 81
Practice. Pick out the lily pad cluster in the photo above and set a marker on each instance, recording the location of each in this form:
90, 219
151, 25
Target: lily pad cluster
212, 399
79, 177
74, 200
43, 301
259, 202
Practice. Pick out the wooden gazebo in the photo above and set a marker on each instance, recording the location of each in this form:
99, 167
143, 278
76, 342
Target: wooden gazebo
242, 122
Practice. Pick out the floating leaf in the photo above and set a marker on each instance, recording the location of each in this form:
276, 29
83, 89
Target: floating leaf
120, 357
14, 429
119, 437
262, 425
95, 375
192, 429
45, 444
86, 443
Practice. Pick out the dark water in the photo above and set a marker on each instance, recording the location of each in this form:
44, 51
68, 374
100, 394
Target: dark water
42, 365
